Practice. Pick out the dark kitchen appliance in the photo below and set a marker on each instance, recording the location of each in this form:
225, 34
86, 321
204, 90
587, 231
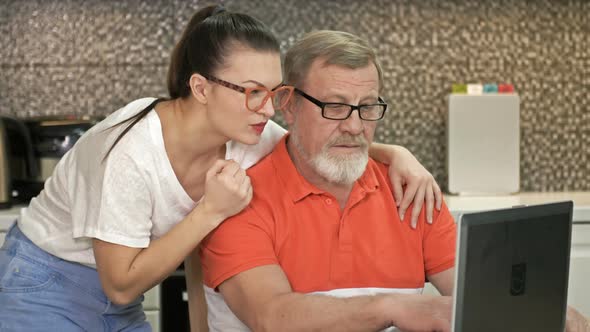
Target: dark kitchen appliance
175, 302
51, 138
16, 159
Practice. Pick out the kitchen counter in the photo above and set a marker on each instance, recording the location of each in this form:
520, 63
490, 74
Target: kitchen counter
457, 204
463, 204
8, 216
580, 256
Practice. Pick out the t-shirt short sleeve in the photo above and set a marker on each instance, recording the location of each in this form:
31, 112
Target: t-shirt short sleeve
439, 243
240, 243
122, 212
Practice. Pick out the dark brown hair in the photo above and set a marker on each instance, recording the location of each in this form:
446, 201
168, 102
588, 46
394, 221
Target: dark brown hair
202, 49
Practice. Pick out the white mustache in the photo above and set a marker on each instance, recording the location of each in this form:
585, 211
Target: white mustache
349, 140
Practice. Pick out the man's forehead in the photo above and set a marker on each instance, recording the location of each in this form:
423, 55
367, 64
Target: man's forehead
324, 70
341, 81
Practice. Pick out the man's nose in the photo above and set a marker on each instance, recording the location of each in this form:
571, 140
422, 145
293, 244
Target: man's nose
353, 124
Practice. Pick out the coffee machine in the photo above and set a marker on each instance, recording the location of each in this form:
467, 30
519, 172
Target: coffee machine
16, 158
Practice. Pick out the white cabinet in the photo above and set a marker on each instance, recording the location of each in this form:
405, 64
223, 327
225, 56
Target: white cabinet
5, 223
579, 277
7, 218
153, 317
151, 306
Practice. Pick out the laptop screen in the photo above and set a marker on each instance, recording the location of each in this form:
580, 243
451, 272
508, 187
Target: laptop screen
512, 269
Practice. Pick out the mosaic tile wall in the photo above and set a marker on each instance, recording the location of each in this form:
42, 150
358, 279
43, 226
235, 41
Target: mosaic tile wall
89, 57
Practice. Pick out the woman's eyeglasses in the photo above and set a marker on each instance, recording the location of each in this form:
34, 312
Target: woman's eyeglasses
257, 97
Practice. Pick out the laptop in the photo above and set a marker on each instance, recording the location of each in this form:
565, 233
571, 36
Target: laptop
512, 269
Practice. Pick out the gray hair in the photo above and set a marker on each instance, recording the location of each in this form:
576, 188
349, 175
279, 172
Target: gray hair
334, 47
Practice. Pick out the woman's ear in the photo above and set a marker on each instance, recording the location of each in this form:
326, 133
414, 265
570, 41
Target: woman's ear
198, 84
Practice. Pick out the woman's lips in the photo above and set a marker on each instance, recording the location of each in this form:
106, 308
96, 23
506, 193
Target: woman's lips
259, 127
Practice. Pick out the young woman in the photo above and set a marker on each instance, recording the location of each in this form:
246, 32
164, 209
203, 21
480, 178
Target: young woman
141, 189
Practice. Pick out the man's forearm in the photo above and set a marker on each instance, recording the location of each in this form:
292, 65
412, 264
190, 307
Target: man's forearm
299, 312
197, 306
262, 298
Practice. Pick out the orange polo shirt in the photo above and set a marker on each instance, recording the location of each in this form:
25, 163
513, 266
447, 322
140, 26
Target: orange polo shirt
320, 247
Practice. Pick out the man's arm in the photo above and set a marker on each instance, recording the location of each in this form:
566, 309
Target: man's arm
576, 322
197, 306
443, 281
263, 299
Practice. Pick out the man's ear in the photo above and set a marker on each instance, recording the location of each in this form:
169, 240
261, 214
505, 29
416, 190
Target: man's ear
199, 84
289, 111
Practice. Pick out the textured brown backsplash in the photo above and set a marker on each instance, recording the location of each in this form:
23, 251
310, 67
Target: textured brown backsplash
61, 57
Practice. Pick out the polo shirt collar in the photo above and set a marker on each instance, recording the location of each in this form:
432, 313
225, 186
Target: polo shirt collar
298, 187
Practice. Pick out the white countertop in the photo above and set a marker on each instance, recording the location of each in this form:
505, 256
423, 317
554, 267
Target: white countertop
457, 204
462, 204
8, 216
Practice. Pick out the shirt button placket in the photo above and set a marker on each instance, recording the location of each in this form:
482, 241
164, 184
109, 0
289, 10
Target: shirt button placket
345, 249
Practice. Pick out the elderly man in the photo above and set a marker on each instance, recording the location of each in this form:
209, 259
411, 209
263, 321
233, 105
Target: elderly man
323, 220
321, 246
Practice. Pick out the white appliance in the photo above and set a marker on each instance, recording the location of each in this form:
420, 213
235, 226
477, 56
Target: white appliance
483, 144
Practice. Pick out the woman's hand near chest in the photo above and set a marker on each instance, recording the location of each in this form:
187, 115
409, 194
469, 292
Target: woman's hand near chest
227, 190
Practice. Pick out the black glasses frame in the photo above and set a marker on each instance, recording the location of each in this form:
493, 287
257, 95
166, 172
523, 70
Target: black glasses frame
359, 108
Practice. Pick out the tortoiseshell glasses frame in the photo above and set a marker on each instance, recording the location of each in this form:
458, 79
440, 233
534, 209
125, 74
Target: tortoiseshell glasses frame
258, 96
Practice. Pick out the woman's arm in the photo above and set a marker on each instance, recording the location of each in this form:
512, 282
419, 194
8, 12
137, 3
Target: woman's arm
406, 170
126, 273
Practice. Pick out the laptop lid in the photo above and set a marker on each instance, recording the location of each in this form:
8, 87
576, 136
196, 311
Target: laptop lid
512, 269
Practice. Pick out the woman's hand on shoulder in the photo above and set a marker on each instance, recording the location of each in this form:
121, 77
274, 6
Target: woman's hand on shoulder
227, 190
420, 186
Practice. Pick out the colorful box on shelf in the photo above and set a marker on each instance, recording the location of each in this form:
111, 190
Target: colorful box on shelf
505, 88
459, 88
474, 89
490, 88
478, 89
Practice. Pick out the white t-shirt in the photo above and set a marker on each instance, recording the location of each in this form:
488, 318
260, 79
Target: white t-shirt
131, 198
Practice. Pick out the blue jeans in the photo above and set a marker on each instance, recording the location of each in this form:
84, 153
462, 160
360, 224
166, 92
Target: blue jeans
41, 292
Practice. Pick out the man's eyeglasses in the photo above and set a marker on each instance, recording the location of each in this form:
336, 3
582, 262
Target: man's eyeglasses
257, 97
341, 111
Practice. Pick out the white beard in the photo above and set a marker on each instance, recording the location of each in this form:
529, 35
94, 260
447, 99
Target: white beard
341, 169
338, 168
